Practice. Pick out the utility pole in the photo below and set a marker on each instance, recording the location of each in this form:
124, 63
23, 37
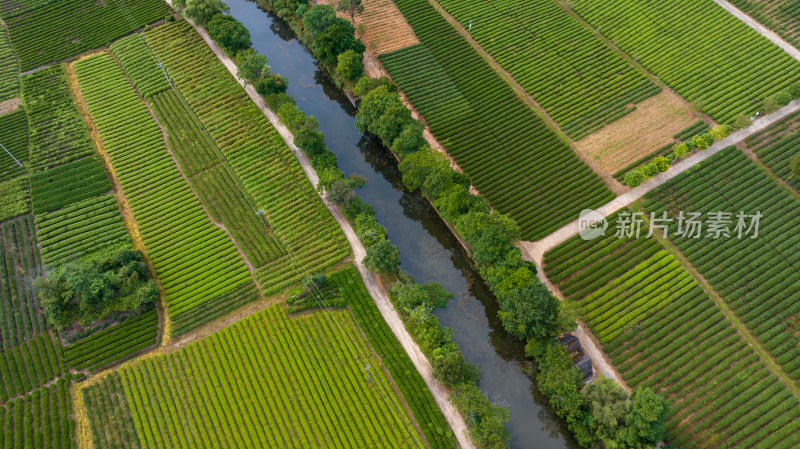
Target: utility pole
469, 30
12, 156
369, 380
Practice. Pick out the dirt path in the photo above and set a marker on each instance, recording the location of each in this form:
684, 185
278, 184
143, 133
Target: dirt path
10, 105
761, 29
440, 393
538, 248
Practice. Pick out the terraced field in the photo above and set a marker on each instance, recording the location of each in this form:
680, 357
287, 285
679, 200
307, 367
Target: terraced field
175, 229
570, 72
758, 277
268, 382
520, 165
662, 330
735, 68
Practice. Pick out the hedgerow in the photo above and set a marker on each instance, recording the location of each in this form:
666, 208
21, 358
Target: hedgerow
578, 80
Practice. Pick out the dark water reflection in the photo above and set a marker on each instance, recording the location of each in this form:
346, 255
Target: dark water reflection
428, 250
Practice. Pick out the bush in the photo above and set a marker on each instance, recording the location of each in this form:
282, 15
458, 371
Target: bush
794, 90
349, 65
366, 84
252, 66
450, 367
318, 18
649, 170
698, 105
335, 40
770, 105
700, 142
794, 163
680, 150
662, 163
311, 141
229, 33
782, 98
531, 312
201, 11
410, 139
382, 258
741, 121
272, 84
720, 132
634, 178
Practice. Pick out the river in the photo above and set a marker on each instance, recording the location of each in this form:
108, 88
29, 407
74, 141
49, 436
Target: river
428, 251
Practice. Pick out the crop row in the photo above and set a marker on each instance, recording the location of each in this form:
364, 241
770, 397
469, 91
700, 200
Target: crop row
57, 134
395, 358
758, 277
140, 65
14, 197
114, 343
676, 341
214, 184
14, 137
81, 228
10, 8
781, 16
777, 145
195, 260
260, 158
9, 70
67, 27
20, 263
568, 70
68, 183
699, 49
265, 381
40, 420
30, 365
521, 166
109, 414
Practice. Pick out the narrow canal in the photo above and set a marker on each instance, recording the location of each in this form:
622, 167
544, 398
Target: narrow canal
428, 250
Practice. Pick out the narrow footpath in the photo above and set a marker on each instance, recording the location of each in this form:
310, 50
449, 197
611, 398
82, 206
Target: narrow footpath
439, 391
761, 29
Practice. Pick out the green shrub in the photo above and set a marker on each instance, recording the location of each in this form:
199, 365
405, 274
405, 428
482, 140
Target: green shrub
229, 33
782, 98
634, 178
794, 163
794, 90
650, 169
700, 142
662, 163
382, 258
349, 65
720, 132
680, 150
770, 105
741, 121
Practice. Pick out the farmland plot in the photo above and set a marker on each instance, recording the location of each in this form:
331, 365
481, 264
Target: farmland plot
570, 72
11, 8
663, 331
522, 167
296, 217
776, 145
13, 136
39, 420
65, 28
9, 69
698, 49
782, 16
265, 381
30, 365
196, 262
758, 277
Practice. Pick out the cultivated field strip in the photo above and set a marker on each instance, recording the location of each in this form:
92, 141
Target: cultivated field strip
67, 27
735, 68
39, 420
20, 263
776, 145
258, 155
215, 186
758, 277
114, 343
570, 72
30, 365
662, 330
9, 69
57, 134
14, 136
522, 167
400, 367
196, 262
65, 184
140, 65
781, 16
265, 381
10, 8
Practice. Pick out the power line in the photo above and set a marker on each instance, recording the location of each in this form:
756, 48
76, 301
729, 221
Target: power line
12, 156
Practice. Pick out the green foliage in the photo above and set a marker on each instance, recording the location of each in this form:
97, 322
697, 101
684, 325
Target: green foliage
490, 235
90, 290
457, 201
450, 367
272, 84
782, 98
486, 419
383, 258
202, 11
368, 229
741, 121
311, 141
349, 65
336, 39
794, 165
794, 90
646, 421
410, 139
661, 163
137, 61
365, 84
252, 66
649, 170
229, 33
318, 18
14, 197
680, 150
351, 7
530, 312
700, 142
609, 404
720, 132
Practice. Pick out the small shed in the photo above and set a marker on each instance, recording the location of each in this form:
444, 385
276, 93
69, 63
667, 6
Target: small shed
584, 363
572, 344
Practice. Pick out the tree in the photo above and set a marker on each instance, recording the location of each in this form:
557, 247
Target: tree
770, 105
609, 404
455, 202
310, 140
634, 178
680, 150
490, 235
271, 84
720, 132
367, 84
662, 163
349, 65
292, 116
410, 139
391, 122
229, 33
318, 18
340, 192
700, 142
252, 66
782, 98
794, 164
287, 7
350, 6
372, 107
450, 367
649, 169
794, 90
369, 231
486, 420
530, 312
336, 39
741, 121
382, 258
646, 421
201, 11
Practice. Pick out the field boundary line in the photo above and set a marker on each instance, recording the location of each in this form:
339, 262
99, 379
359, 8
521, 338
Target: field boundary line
538, 248
440, 392
761, 29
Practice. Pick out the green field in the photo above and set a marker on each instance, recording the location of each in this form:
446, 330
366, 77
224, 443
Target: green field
65, 28
39, 420
662, 330
9, 69
176, 231
570, 72
776, 145
758, 277
522, 167
698, 49
14, 132
265, 381
782, 16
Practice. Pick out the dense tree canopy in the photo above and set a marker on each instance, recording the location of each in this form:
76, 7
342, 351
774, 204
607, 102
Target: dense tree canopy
201, 11
229, 33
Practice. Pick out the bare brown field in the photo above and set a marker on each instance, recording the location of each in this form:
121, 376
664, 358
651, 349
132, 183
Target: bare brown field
385, 29
639, 133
